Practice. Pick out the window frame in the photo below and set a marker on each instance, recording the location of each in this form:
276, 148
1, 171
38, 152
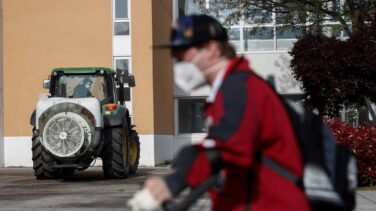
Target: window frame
126, 85
177, 119
120, 20
114, 9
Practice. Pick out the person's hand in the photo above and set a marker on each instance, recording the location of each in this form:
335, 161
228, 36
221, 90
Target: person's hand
152, 196
158, 189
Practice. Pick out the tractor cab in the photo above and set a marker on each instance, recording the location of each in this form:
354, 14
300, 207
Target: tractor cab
104, 84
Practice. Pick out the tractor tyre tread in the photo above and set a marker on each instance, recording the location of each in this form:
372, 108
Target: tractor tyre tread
135, 138
112, 158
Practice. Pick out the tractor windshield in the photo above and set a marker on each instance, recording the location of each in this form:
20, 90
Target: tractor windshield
78, 86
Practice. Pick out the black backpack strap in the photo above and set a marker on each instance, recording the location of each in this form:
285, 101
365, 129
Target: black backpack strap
279, 169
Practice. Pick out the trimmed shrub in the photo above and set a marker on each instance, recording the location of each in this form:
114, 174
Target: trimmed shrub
362, 141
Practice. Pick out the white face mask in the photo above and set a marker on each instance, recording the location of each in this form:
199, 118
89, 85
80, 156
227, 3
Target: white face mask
188, 76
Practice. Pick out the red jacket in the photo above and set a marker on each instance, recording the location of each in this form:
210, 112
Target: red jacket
247, 118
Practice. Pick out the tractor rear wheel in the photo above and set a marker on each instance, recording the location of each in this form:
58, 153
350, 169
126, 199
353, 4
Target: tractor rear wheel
115, 154
42, 161
134, 152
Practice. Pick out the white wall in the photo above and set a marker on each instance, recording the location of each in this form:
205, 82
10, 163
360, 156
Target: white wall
1, 89
121, 46
183, 140
278, 65
1, 135
264, 64
17, 151
147, 153
155, 150
164, 148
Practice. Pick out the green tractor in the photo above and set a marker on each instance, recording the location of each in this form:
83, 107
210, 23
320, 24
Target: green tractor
82, 118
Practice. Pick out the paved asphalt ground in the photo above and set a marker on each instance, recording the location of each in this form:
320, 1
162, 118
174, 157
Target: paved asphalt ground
87, 190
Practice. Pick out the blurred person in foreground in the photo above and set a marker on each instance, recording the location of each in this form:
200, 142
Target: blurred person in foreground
245, 118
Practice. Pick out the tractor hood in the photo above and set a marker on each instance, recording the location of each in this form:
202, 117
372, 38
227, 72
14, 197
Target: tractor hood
91, 104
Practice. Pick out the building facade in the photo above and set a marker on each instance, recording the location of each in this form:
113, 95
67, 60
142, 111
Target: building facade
39, 35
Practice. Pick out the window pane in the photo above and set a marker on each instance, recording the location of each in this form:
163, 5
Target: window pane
314, 17
122, 65
280, 18
288, 18
336, 30
259, 33
258, 39
234, 37
286, 37
121, 28
121, 8
189, 7
288, 33
191, 116
236, 45
77, 86
336, 6
257, 16
221, 10
233, 34
344, 34
332, 30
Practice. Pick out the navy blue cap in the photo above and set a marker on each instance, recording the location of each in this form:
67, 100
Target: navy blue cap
194, 29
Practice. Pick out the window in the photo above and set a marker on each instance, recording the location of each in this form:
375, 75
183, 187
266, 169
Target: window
234, 37
77, 86
121, 64
121, 9
121, 28
258, 39
191, 115
121, 18
286, 37
344, 34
